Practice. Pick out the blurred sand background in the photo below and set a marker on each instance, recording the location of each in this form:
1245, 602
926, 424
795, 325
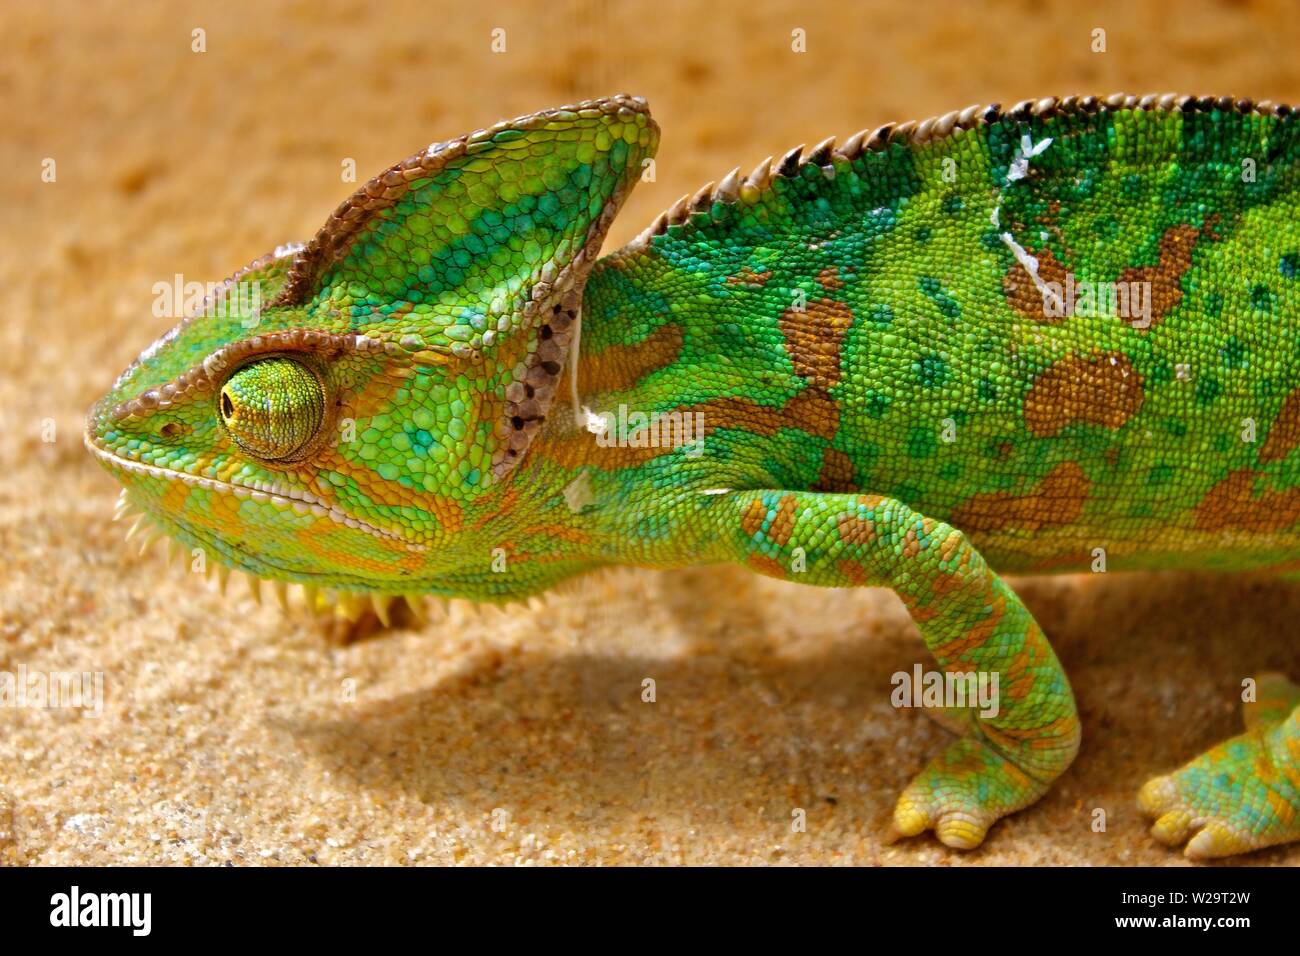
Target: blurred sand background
228, 735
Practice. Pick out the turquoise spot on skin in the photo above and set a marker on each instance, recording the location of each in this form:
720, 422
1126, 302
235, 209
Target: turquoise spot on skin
877, 404
930, 370
1261, 299
947, 304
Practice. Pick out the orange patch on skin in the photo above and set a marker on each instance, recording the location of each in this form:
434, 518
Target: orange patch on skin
856, 529
765, 565
557, 532
1058, 500
411, 561
503, 506
1023, 295
920, 613
376, 397
948, 547
975, 637
854, 572
814, 412
748, 277
829, 279
619, 367
783, 524
1232, 505
751, 522
946, 584
174, 497
836, 474
813, 338
1100, 389
1166, 276
1020, 674
224, 510
1284, 433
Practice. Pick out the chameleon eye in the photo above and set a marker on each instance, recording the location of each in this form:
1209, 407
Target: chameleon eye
272, 407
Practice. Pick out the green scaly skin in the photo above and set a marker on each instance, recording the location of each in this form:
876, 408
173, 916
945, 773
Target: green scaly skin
864, 334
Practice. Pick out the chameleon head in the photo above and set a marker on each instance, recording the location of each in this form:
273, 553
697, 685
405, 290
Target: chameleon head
338, 413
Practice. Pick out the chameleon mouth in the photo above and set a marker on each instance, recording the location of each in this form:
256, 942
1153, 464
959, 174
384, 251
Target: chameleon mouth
301, 502
346, 604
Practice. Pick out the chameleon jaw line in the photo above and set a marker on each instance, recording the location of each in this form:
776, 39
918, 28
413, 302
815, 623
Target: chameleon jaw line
307, 504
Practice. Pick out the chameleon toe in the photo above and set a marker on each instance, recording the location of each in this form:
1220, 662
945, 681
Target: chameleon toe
1156, 795
1172, 828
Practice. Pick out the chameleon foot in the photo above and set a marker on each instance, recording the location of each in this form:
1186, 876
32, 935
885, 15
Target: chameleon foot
1241, 795
962, 793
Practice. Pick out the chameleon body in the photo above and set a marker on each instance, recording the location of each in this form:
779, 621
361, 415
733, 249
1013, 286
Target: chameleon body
891, 362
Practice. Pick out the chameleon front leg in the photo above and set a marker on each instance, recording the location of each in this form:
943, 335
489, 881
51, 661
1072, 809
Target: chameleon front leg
971, 622
1241, 795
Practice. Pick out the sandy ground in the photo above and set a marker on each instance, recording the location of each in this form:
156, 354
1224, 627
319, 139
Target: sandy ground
233, 733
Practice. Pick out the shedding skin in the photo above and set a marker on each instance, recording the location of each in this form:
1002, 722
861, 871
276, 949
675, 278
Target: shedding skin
993, 342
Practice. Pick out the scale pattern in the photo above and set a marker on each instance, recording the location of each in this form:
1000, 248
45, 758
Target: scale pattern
1019, 341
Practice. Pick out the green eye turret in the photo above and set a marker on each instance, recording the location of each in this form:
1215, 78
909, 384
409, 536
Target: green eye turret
273, 407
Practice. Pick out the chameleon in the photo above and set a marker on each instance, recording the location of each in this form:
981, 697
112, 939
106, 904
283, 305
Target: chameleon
994, 342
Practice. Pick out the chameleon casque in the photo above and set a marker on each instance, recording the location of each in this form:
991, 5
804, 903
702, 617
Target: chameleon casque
894, 385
